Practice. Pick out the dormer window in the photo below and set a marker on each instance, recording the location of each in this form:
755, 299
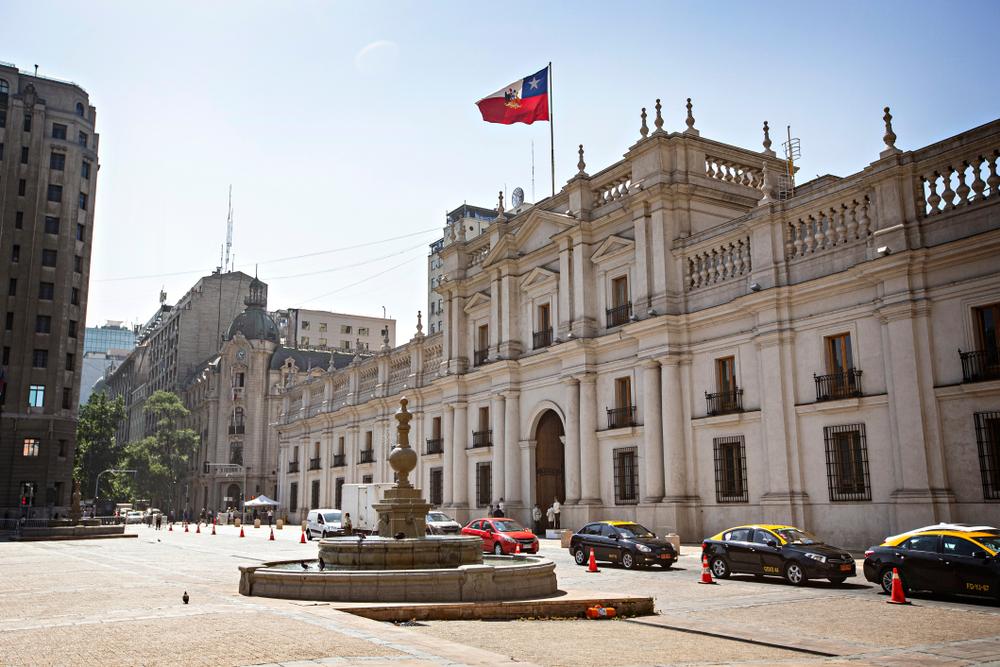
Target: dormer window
79, 110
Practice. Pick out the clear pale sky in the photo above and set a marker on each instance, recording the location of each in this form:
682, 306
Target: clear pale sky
342, 123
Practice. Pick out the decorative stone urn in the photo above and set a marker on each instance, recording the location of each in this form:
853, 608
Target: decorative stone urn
403, 510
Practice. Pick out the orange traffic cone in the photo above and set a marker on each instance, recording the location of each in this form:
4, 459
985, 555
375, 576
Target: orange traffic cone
706, 572
898, 595
517, 547
186, 528
302, 540
241, 532
213, 526
592, 565
198, 528
170, 527
271, 539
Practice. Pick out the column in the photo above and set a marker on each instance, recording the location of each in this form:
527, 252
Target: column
512, 435
590, 455
495, 324
652, 431
572, 444
460, 465
565, 317
527, 448
447, 427
497, 467
673, 427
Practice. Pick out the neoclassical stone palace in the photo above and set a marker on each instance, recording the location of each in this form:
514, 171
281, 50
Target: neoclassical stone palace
678, 340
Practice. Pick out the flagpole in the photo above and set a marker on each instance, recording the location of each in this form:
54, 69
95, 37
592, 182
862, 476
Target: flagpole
552, 133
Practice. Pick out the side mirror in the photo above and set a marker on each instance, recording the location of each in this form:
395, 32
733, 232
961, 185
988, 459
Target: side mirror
772, 544
615, 536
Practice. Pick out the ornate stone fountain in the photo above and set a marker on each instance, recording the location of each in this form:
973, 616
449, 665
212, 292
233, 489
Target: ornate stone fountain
402, 563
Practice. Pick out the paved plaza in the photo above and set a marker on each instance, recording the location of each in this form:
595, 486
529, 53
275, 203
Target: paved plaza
118, 602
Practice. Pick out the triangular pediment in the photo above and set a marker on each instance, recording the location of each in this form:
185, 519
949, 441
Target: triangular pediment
538, 277
538, 227
477, 300
613, 246
504, 249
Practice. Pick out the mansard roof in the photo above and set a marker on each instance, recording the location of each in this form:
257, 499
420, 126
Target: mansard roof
306, 359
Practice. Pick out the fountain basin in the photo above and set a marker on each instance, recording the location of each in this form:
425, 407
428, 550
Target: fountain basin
496, 578
380, 553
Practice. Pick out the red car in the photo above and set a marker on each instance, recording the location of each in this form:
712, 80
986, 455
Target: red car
501, 536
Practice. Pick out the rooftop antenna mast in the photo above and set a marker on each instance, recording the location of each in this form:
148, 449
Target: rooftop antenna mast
229, 230
793, 152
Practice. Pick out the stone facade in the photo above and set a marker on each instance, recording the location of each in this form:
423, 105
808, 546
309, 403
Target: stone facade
671, 341
324, 330
48, 185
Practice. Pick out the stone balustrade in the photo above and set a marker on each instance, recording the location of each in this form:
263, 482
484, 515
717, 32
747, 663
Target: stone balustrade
729, 171
723, 262
611, 184
828, 226
970, 179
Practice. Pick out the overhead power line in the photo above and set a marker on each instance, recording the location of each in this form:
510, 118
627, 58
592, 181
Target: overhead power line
360, 282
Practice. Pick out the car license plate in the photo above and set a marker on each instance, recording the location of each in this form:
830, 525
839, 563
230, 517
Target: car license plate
845, 568
665, 556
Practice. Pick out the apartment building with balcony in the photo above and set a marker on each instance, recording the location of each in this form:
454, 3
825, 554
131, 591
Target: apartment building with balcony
673, 340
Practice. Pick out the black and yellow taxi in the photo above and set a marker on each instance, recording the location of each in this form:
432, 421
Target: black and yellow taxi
624, 542
771, 549
946, 558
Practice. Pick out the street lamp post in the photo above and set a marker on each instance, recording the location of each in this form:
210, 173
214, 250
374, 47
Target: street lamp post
97, 483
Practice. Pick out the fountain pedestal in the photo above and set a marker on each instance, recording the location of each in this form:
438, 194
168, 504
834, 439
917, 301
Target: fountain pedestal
402, 511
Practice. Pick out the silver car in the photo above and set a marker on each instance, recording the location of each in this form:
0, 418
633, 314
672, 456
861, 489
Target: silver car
439, 523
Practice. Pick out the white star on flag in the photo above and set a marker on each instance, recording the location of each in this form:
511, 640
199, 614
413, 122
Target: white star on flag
534, 82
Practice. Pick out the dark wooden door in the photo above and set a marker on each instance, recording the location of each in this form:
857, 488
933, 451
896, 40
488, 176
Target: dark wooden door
550, 478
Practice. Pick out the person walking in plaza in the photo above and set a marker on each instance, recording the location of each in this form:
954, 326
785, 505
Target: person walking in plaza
159, 521
270, 516
550, 516
557, 509
502, 507
536, 518
348, 527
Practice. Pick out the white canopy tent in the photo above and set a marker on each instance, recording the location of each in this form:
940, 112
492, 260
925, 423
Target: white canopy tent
261, 501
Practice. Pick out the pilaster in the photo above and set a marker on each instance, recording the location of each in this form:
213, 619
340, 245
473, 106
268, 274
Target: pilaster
590, 455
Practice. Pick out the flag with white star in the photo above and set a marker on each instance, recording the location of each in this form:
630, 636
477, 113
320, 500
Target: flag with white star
524, 101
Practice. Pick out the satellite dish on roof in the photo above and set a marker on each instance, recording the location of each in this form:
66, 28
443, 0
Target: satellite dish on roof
517, 197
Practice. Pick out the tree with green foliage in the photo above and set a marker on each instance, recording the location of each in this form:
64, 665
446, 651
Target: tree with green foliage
161, 459
96, 449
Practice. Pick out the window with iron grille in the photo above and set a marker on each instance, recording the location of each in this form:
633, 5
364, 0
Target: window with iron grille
314, 494
847, 462
626, 476
484, 484
437, 486
293, 497
988, 439
338, 492
367, 479
730, 470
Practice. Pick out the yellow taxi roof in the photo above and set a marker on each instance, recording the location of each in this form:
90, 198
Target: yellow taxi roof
765, 526
899, 539
616, 523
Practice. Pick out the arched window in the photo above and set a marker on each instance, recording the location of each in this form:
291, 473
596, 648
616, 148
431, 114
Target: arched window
79, 109
237, 421
4, 87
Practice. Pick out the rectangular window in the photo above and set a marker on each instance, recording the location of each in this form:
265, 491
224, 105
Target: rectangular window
484, 418
81, 139
305, 325
22, 187
847, 462
24, 154
484, 337
314, 494
345, 345
57, 161
15, 253
9, 324
623, 392
70, 361
36, 396
3, 120
988, 440
367, 479
30, 447
838, 353
74, 296
305, 340
49, 257
85, 170
338, 493
987, 321
27, 122
1, 146
55, 193
436, 486
63, 449
67, 398
619, 292
730, 470
40, 359
43, 324
293, 497
544, 318
484, 484
12, 287
58, 131
51, 225
362, 331
83, 201
436, 427
725, 374
79, 232
368, 439
18, 217
345, 328
46, 291
6, 355
626, 476
71, 332
78, 264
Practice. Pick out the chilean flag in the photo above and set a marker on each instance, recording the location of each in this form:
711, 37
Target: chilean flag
524, 101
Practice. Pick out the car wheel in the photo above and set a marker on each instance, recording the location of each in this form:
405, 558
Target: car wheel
720, 568
580, 556
497, 549
837, 580
794, 574
628, 560
885, 579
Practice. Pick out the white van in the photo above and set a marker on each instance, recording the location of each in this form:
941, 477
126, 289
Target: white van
323, 523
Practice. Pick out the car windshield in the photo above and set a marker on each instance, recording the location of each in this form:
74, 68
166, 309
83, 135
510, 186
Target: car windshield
438, 516
507, 526
633, 530
331, 517
991, 543
796, 536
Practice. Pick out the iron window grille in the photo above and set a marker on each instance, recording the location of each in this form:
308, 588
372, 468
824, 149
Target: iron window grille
842, 384
626, 476
980, 365
434, 446
479, 357
619, 315
730, 470
482, 439
437, 486
541, 339
236, 454
367, 456
847, 463
367, 479
293, 493
484, 484
293, 466
988, 440
724, 402
338, 493
339, 461
621, 417
314, 464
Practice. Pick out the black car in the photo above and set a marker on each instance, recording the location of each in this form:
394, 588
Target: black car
622, 542
939, 560
784, 551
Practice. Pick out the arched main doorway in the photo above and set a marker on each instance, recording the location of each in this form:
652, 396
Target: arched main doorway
550, 477
232, 498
